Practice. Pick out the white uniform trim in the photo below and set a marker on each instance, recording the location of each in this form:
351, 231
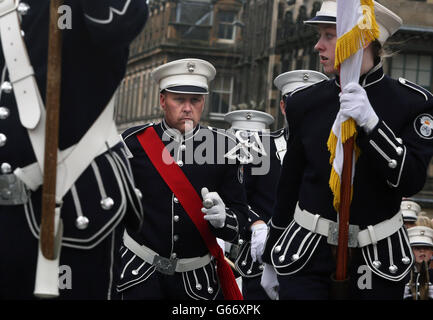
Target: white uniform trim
110, 14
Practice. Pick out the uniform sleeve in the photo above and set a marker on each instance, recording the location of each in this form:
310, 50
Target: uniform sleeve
233, 194
114, 22
402, 159
287, 193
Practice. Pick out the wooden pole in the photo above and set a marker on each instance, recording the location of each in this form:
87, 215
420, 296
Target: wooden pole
344, 214
52, 102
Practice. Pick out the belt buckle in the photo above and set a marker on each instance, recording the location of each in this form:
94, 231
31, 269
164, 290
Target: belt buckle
12, 190
165, 265
333, 234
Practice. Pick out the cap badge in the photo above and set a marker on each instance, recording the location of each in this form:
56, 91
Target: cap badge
306, 77
190, 66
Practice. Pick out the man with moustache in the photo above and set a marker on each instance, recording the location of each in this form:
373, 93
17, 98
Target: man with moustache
168, 257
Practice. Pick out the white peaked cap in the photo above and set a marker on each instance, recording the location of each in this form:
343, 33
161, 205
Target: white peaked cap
291, 80
410, 210
387, 20
420, 236
190, 76
249, 119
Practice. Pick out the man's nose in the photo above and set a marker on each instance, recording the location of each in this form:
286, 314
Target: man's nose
187, 106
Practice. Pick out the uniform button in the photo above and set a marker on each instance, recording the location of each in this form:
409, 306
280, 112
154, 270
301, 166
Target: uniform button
399, 150
176, 200
107, 203
5, 168
175, 237
82, 222
23, 8
3, 139
4, 113
392, 164
400, 140
403, 81
176, 218
173, 255
6, 87
180, 163
182, 147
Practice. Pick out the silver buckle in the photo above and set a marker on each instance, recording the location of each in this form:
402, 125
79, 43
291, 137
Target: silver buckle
333, 234
12, 190
165, 265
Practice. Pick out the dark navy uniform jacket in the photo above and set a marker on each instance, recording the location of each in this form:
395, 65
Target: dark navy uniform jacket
383, 173
94, 58
261, 181
167, 228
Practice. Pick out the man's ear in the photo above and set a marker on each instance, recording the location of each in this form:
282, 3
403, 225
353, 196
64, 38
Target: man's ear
162, 98
282, 106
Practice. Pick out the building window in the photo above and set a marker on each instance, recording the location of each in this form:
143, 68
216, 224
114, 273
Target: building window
221, 94
194, 19
413, 67
226, 28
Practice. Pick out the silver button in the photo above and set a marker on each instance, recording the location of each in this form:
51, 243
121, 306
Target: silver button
23, 8
399, 140
180, 163
182, 147
6, 87
5, 168
138, 193
399, 150
393, 269
4, 113
392, 164
81, 222
175, 237
3, 139
107, 203
173, 255
23, 33
176, 200
176, 218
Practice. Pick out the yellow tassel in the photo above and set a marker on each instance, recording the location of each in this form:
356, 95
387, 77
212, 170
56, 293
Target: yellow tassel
359, 37
335, 185
332, 146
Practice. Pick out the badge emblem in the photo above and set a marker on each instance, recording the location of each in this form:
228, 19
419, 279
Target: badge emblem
424, 126
241, 174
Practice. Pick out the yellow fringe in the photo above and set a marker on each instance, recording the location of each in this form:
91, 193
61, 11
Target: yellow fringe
348, 129
359, 37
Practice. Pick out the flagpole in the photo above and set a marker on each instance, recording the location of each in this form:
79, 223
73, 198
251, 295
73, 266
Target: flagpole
344, 213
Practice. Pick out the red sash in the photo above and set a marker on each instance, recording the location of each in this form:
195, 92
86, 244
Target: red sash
192, 203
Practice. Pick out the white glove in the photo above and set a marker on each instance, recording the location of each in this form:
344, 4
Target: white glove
354, 104
216, 215
258, 239
269, 282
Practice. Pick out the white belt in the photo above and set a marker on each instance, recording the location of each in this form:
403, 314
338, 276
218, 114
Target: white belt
371, 235
74, 160
164, 265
